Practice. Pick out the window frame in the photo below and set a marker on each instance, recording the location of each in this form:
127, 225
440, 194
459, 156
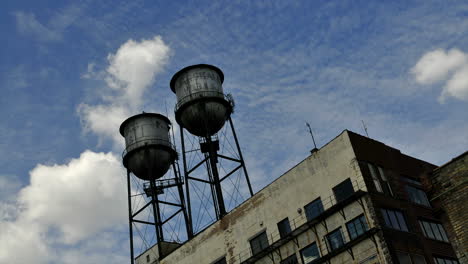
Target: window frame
417, 192
306, 247
280, 224
312, 204
439, 228
344, 184
289, 258
445, 260
411, 180
329, 244
364, 226
375, 178
410, 257
258, 235
399, 219
218, 261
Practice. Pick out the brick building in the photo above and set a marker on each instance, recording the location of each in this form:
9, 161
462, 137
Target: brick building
355, 200
449, 192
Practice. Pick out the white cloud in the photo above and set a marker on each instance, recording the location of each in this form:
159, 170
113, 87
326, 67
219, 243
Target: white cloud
104, 120
133, 67
457, 86
65, 204
131, 71
27, 24
449, 66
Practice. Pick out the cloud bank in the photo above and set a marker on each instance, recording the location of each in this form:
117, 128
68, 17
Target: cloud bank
449, 67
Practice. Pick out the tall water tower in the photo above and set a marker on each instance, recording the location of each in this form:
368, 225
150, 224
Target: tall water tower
148, 155
203, 109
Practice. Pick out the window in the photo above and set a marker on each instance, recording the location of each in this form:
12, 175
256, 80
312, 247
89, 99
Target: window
394, 219
284, 227
375, 178
343, 190
357, 227
385, 180
411, 180
310, 253
148, 258
259, 243
290, 260
380, 180
440, 260
313, 209
220, 261
433, 230
335, 239
416, 195
406, 258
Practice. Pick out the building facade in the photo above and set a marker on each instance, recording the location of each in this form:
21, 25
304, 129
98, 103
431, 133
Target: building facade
355, 200
449, 192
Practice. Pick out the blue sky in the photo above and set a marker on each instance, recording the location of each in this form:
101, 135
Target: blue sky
71, 70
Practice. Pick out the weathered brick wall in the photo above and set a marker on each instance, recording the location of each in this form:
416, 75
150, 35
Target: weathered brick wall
450, 192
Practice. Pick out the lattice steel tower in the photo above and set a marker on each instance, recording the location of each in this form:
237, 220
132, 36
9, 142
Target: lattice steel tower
202, 109
148, 155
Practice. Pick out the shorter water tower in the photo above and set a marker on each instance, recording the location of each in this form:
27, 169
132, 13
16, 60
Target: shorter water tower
148, 155
148, 150
203, 109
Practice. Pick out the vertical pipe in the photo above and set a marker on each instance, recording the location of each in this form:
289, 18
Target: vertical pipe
182, 200
216, 181
130, 217
240, 156
157, 217
187, 184
212, 186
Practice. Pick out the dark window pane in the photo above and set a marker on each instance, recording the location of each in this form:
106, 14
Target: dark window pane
335, 239
343, 190
401, 221
442, 232
258, 243
403, 258
386, 183
290, 260
411, 180
427, 227
357, 227
284, 228
221, 261
416, 195
394, 219
375, 178
313, 209
310, 253
433, 230
418, 259
439, 260
386, 219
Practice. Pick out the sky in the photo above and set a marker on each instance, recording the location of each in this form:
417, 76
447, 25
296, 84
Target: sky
72, 71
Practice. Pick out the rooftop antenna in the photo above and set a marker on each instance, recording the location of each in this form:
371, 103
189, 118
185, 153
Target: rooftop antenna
365, 127
313, 140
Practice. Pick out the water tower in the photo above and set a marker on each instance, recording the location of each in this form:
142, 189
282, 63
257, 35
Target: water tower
148, 155
203, 109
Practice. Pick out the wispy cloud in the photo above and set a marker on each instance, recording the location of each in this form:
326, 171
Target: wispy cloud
28, 25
